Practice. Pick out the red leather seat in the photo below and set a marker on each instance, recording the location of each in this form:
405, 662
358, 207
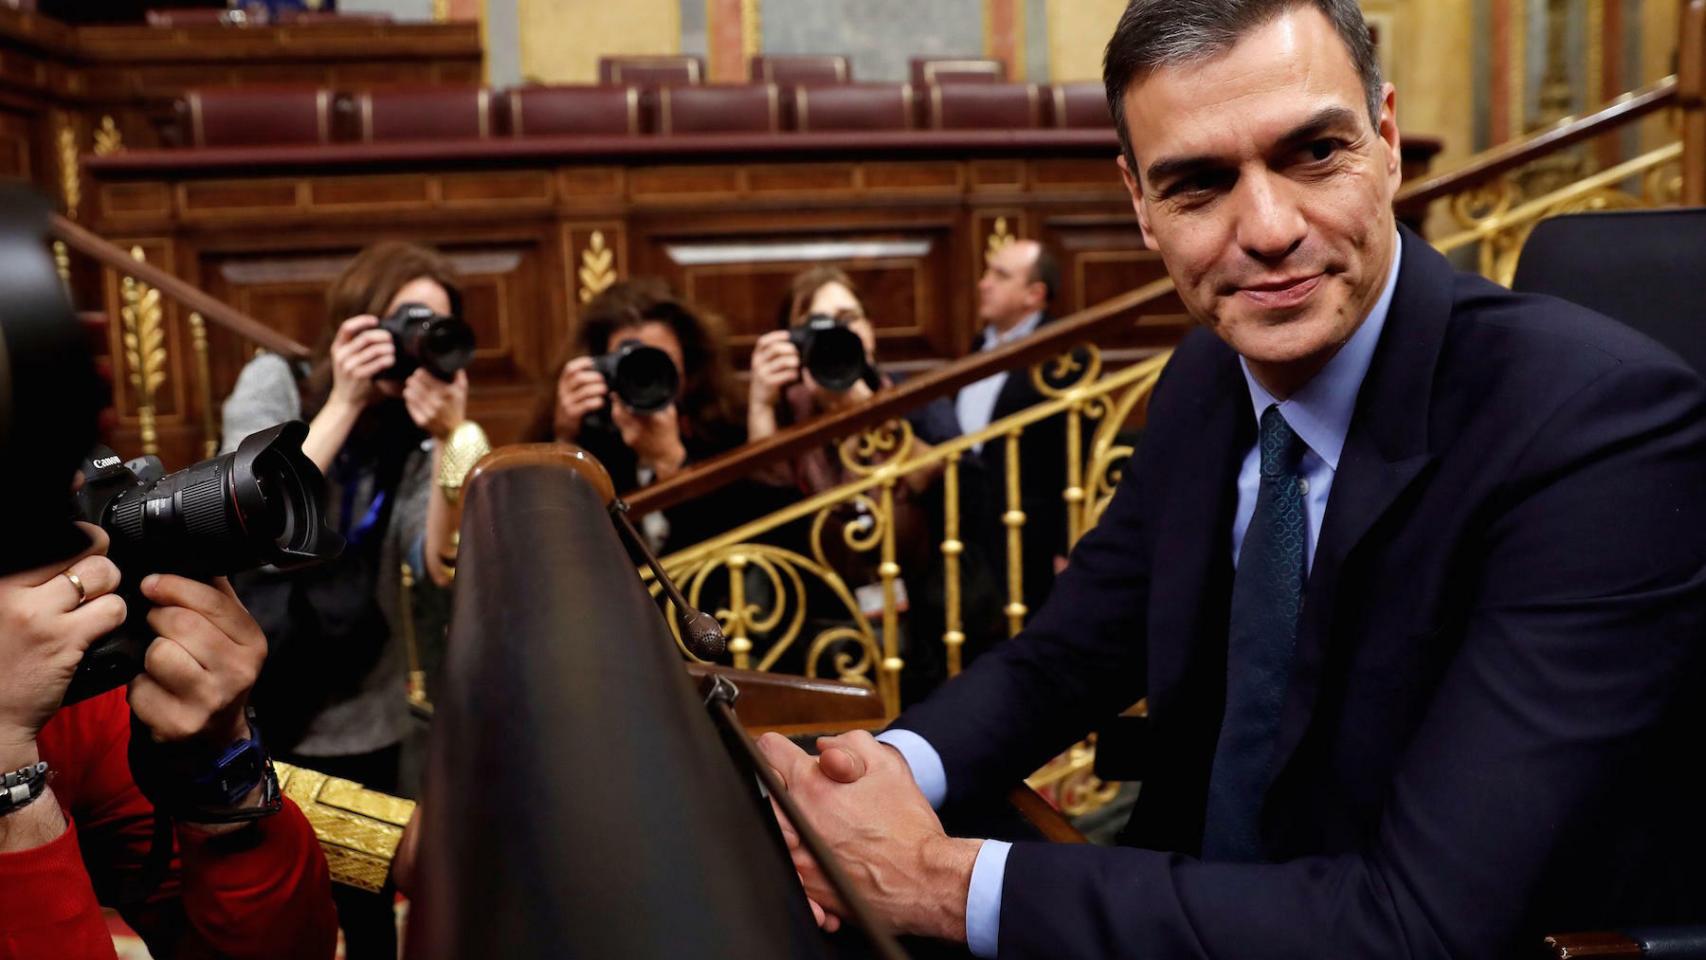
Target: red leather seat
255, 116
659, 71
746, 108
545, 111
984, 106
928, 70
1081, 105
424, 113
854, 106
794, 70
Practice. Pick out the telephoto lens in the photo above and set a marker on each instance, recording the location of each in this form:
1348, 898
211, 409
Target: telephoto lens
834, 354
257, 506
644, 377
427, 339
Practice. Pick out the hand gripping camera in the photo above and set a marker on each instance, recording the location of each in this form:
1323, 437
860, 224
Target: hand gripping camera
424, 338
644, 377
259, 505
834, 354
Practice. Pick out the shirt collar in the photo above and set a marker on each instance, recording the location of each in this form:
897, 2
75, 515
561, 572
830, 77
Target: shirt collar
1320, 412
1026, 327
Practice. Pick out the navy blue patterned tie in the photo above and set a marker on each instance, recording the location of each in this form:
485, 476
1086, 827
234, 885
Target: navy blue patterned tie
1267, 592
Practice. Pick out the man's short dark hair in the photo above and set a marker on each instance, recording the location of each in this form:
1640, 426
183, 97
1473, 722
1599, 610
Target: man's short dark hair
1045, 269
1164, 33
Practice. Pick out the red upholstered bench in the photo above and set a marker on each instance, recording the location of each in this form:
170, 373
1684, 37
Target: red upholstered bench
794, 70
660, 71
746, 108
854, 106
255, 116
423, 113
1081, 105
984, 106
548, 110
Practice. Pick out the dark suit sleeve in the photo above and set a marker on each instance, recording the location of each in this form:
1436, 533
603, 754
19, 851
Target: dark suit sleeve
1587, 623
1079, 660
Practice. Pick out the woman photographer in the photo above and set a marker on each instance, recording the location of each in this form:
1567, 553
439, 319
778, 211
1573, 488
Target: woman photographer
333, 687
637, 448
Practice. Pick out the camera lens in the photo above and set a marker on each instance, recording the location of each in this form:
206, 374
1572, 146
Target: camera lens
646, 378
446, 346
835, 357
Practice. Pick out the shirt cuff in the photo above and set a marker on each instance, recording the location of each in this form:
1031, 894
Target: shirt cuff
926, 763
983, 898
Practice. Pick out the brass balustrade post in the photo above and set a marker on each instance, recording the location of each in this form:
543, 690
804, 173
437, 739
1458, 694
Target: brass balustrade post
1014, 519
1074, 492
954, 637
740, 645
888, 571
204, 385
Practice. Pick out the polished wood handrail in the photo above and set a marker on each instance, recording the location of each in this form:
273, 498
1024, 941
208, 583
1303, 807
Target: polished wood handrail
97, 248
1488, 164
1092, 323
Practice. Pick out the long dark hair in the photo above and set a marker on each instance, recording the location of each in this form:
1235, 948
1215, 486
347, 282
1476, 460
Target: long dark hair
708, 401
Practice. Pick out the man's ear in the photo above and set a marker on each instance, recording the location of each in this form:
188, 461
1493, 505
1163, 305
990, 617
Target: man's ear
1389, 133
1136, 191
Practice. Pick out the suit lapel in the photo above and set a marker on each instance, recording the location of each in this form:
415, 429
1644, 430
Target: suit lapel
1385, 451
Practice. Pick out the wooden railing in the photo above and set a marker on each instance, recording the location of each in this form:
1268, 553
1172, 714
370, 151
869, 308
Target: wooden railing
143, 333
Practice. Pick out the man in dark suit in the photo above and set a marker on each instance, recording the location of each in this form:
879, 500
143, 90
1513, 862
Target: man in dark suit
1411, 569
1014, 294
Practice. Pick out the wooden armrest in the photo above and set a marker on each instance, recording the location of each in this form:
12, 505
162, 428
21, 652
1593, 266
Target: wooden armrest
1568, 946
1042, 815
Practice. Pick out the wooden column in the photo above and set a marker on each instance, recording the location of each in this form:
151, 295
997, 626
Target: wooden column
1691, 90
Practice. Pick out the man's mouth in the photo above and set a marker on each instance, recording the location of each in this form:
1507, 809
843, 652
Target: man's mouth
1281, 294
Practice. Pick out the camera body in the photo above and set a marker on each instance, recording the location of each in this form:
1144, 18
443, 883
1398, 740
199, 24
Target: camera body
259, 505
644, 377
427, 339
834, 354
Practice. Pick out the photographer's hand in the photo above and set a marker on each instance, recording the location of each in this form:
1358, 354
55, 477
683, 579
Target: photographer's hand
46, 623
580, 390
435, 406
360, 351
198, 672
655, 438
775, 365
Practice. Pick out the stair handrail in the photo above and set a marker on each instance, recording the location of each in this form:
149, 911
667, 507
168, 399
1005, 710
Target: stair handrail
1053, 340
1484, 166
109, 254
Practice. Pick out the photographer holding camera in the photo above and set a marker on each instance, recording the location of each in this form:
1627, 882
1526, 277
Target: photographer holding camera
76, 832
386, 395
646, 387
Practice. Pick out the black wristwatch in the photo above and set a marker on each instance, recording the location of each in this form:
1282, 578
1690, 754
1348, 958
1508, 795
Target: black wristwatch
22, 786
196, 785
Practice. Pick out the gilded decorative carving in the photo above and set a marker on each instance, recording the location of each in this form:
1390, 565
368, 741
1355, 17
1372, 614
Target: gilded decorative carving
1000, 236
598, 267
62, 263
70, 174
144, 349
359, 829
107, 138
440, 10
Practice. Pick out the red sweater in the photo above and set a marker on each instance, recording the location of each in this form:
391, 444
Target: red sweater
260, 892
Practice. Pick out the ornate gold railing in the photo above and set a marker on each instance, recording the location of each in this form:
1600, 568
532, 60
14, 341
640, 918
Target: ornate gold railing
763, 629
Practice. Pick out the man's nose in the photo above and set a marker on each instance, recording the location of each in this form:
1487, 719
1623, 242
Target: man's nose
1270, 223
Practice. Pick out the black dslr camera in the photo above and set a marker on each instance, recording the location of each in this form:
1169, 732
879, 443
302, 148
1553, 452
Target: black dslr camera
644, 377
260, 505
425, 338
834, 354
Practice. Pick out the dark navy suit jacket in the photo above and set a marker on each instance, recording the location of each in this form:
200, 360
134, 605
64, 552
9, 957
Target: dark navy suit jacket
1497, 688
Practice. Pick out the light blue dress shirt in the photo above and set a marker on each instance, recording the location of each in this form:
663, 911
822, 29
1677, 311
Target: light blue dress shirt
975, 404
1320, 413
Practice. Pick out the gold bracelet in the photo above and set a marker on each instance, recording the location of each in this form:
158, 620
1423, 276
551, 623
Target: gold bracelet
462, 449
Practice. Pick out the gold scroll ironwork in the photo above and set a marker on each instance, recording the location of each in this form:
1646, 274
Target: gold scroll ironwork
359, 829
144, 350
1069, 781
1501, 229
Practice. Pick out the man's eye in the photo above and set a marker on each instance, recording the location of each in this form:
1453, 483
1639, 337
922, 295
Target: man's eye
1320, 150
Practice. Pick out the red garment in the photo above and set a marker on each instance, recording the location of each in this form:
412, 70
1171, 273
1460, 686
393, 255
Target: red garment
260, 892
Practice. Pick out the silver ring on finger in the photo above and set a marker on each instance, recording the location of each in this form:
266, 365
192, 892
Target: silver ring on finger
76, 581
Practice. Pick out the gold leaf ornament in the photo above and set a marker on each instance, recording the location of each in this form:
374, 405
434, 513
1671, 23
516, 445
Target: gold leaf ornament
598, 267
